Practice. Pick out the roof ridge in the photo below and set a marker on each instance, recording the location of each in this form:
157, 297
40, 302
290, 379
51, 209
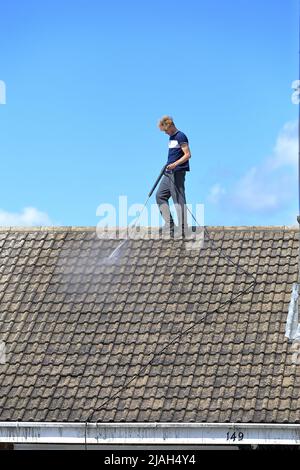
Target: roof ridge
75, 228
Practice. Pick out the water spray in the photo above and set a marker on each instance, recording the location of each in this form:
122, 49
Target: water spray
117, 249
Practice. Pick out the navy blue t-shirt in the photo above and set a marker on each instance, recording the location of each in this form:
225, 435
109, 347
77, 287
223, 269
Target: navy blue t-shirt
176, 152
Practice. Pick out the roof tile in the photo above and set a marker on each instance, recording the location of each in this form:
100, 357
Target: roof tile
147, 337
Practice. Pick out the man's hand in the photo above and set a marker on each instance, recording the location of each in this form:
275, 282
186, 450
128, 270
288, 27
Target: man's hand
172, 166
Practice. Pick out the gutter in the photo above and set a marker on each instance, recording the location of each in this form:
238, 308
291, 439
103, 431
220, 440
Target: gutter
149, 433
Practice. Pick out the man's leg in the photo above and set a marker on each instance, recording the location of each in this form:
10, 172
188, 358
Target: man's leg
178, 196
162, 197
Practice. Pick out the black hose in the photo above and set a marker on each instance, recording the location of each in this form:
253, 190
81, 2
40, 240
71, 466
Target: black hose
158, 180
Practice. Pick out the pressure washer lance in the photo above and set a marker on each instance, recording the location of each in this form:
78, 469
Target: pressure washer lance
117, 249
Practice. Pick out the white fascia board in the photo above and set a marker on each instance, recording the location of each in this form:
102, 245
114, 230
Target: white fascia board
149, 433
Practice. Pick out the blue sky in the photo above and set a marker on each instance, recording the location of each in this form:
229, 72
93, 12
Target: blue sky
87, 81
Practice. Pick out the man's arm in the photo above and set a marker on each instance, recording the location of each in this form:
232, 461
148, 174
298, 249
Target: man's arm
187, 155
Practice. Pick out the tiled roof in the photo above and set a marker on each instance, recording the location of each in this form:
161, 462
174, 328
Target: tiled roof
147, 337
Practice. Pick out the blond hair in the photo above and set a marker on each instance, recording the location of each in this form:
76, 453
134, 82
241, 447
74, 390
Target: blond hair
165, 122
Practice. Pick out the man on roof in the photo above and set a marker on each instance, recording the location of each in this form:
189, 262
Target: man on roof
172, 183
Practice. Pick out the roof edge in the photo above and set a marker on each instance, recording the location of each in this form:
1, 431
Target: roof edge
88, 228
149, 433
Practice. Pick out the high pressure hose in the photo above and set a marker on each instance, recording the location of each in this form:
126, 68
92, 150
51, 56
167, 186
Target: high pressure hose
119, 246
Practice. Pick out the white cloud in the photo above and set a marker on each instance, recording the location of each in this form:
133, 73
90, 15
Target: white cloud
30, 216
257, 190
272, 184
286, 148
215, 193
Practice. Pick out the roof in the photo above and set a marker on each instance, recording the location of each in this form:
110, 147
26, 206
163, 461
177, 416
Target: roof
147, 337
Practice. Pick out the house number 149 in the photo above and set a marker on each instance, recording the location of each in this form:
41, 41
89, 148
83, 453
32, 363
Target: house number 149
234, 436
